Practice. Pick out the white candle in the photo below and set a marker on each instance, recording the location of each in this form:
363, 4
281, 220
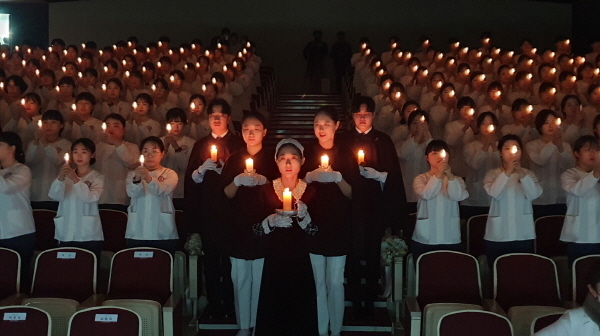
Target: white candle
443, 154
66, 157
361, 156
514, 149
249, 165
104, 126
142, 159
40, 123
213, 153
324, 161
287, 199
169, 128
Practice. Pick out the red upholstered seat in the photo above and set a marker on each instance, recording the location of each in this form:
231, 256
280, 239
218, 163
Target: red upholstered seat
475, 234
544, 321
35, 322
44, 229
114, 224
523, 279
180, 223
65, 273
582, 267
547, 242
10, 272
103, 321
146, 278
448, 277
474, 323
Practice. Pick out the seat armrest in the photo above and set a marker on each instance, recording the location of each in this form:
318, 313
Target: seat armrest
412, 306
13, 300
571, 304
93, 301
493, 306
171, 302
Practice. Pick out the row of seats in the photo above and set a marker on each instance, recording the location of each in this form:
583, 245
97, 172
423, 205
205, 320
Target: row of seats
525, 288
65, 279
95, 321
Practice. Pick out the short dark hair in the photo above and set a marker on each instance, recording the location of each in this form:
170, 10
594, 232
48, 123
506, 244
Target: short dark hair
13, 139
145, 98
85, 96
176, 114
115, 116
87, 144
540, 118
18, 80
563, 102
225, 108
415, 114
484, 115
116, 81
330, 111
509, 137
436, 146
363, 100
584, 140
255, 115
153, 139
465, 101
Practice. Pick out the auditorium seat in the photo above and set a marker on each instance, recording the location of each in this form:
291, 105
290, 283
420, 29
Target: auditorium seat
474, 323
475, 234
141, 279
105, 320
114, 224
526, 286
442, 277
543, 321
64, 281
547, 241
10, 275
24, 321
44, 229
582, 267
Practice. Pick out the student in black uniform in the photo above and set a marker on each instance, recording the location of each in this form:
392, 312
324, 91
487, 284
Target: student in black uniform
379, 196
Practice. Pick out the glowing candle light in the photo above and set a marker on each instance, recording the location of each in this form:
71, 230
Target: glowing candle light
571, 61
207, 53
514, 150
181, 50
40, 123
567, 41
239, 54
249, 165
467, 72
415, 68
64, 52
73, 107
451, 94
491, 128
193, 45
386, 85
23, 101
148, 50
43, 58
103, 87
471, 111
104, 126
66, 157
159, 64
408, 55
169, 128
213, 153
511, 71
129, 44
465, 50
219, 45
422, 119
456, 44
479, 54
170, 52
438, 84
558, 121
224, 67
451, 61
530, 62
394, 45
101, 52
50, 49
57, 88
425, 72
497, 94
248, 45
172, 78
440, 56
287, 199
105, 69
235, 64
78, 59
142, 159
63, 68
361, 156
553, 71
529, 108
153, 87
134, 51
596, 71
486, 40
324, 161
114, 46
363, 46
443, 154
378, 64
552, 90
482, 77
529, 76
83, 45
214, 81
134, 105
381, 72
160, 43
573, 79
511, 53
534, 50
398, 94
203, 87
143, 69
193, 105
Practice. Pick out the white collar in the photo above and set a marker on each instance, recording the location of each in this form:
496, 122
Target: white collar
367, 132
219, 136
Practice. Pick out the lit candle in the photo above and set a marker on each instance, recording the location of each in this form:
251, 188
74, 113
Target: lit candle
169, 128
398, 94
552, 54
203, 87
43, 58
511, 71
57, 88
159, 43
558, 121
143, 69
422, 119
553, 71
80, 75
425, 72
451, 94
213, 153
596, 71
40, 123
324, 161
488, 61
193, 105
114, 46
479, 54
443, 154
511, 53
529, 108
172, 78
105, 69
361, 156
394, 45
440, 56
159, 64
573, 79
491, 128
127, 74
214, 81
63, 68
240, 54
224, 67
66, 157
104, 126
134, 105
103, 87
197, 64
467, 72
529, 76
486, 40
482, 76
534, 50
498, 94
129, 44
207, 53
408, 55
23, 101
438, 84
147, 50
514, 150
83, 45
415, 68
248, 45
219, 45
134, 52
249, 165
170, 52
181, 50
153, 87
567, 41
73, 107
124, 62
235, 63
101, 52
287, 200
552, 90
530, 62
142, 159
471, 111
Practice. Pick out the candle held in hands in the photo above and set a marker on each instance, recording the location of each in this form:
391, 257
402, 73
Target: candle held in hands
66, 157
213, 153
142, 159
324, 161
40, 123
104, 126
361, 156
287, 199
249, 165
443, 154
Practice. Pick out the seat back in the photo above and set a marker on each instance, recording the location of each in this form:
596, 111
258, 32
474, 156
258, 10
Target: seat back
459, 272
523, 279
547, 241
141, 273
474, 323
102, 321
542, 322
180, 223
24, 321
10, 272
582, 267
114, 224
44, 229
475, 234
65, 273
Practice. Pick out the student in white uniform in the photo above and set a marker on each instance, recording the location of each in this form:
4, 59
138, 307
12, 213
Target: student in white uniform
151, 220
444, 112
44, 157
114, 157
112, 101
160, 103
177, 96
493, 102
77, 222
547, 98
459, 133
593, 108
401, 132
523, 124
65, 98
481, 156
439, 191
580, 229
510, 227
81, 123
574, 124
549, 156
25, 117
198, 126
17, 229
411, 154
430, 97
178, 148
583, 320
141, 125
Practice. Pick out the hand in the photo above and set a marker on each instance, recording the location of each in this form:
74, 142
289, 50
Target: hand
323, 177
302, 209
244, 180
39, 136
64, 171
277, 220
142, 173
370, 173
74, 117
209, 164
510, 168
70, 173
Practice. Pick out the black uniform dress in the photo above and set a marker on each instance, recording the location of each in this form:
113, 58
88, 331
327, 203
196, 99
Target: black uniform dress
202, 207
288, 301
244, 209
332, 214
376, 208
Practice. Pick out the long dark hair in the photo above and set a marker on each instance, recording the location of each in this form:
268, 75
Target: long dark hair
13, 139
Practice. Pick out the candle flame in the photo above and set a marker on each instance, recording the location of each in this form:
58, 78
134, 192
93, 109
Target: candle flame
159, 64
451, 94
203, 87
66, 157
214, 81
422, 119
398, 94
153, 87
103, 87
529, 108
172, 78
438, 84
514, 149
23, 101
558, 121
482, 77
169, 127
553, 90
105, 69
181, 50
443, 154
491, 128
471, 111
73, 107
511, 71
40, 123
142, 159
104, 126
134, 105
529, 76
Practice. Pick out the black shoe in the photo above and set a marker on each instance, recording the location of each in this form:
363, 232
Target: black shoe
358, 311
369, 310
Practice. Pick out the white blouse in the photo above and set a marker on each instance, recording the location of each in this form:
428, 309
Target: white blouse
412, 162
548, 163
45, 162
122, 108
91, 129
17, 216
456, 139
526, 134
438, 219
479, 162
137, 132
114, 163
511, 214
78, 218
151, 213
24, 129
583, 212
178, 161
439, 117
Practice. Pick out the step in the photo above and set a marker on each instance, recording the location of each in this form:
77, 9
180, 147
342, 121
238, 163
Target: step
309, 101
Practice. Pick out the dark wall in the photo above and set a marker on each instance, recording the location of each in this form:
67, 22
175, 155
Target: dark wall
585, 24
28, 21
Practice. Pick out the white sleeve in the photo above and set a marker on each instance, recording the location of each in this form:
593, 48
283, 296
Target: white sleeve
92, 193
134, 190
563, 327
165, 187
494, 183
129, 155
16, 182
57, 191
580, 188
457, 190
531, 186
540, 157
427, 189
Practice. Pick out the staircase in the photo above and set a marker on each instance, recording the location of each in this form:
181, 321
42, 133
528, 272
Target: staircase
293, 116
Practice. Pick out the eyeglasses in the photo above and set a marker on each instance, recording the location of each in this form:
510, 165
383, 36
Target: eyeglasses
153, 153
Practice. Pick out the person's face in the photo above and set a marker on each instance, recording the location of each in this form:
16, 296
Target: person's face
160, 91
128, 64
467, 113
507, 152
31, 107
479, 82
176, 127
526, 47
506, 76
46, 81
218, 120
587, 155
436, 158
495, 94
90, 80
385, 86
253, 132
363, 119
485, 128
448, 95
595, 96
52, 60
197, 106
437, 81
550, 126
523, 113
416, 122
474, 56
325, 127
85, 63
115, 129
289, 162
81, 155
176, 82
13, 89
113, 91
572, 107
84, 108
548, 97
547, 74
71, 54
51, 127
152, 155
408, 110
6, 151
70, 71
569, 83
134, 82
142, 108
524, 84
